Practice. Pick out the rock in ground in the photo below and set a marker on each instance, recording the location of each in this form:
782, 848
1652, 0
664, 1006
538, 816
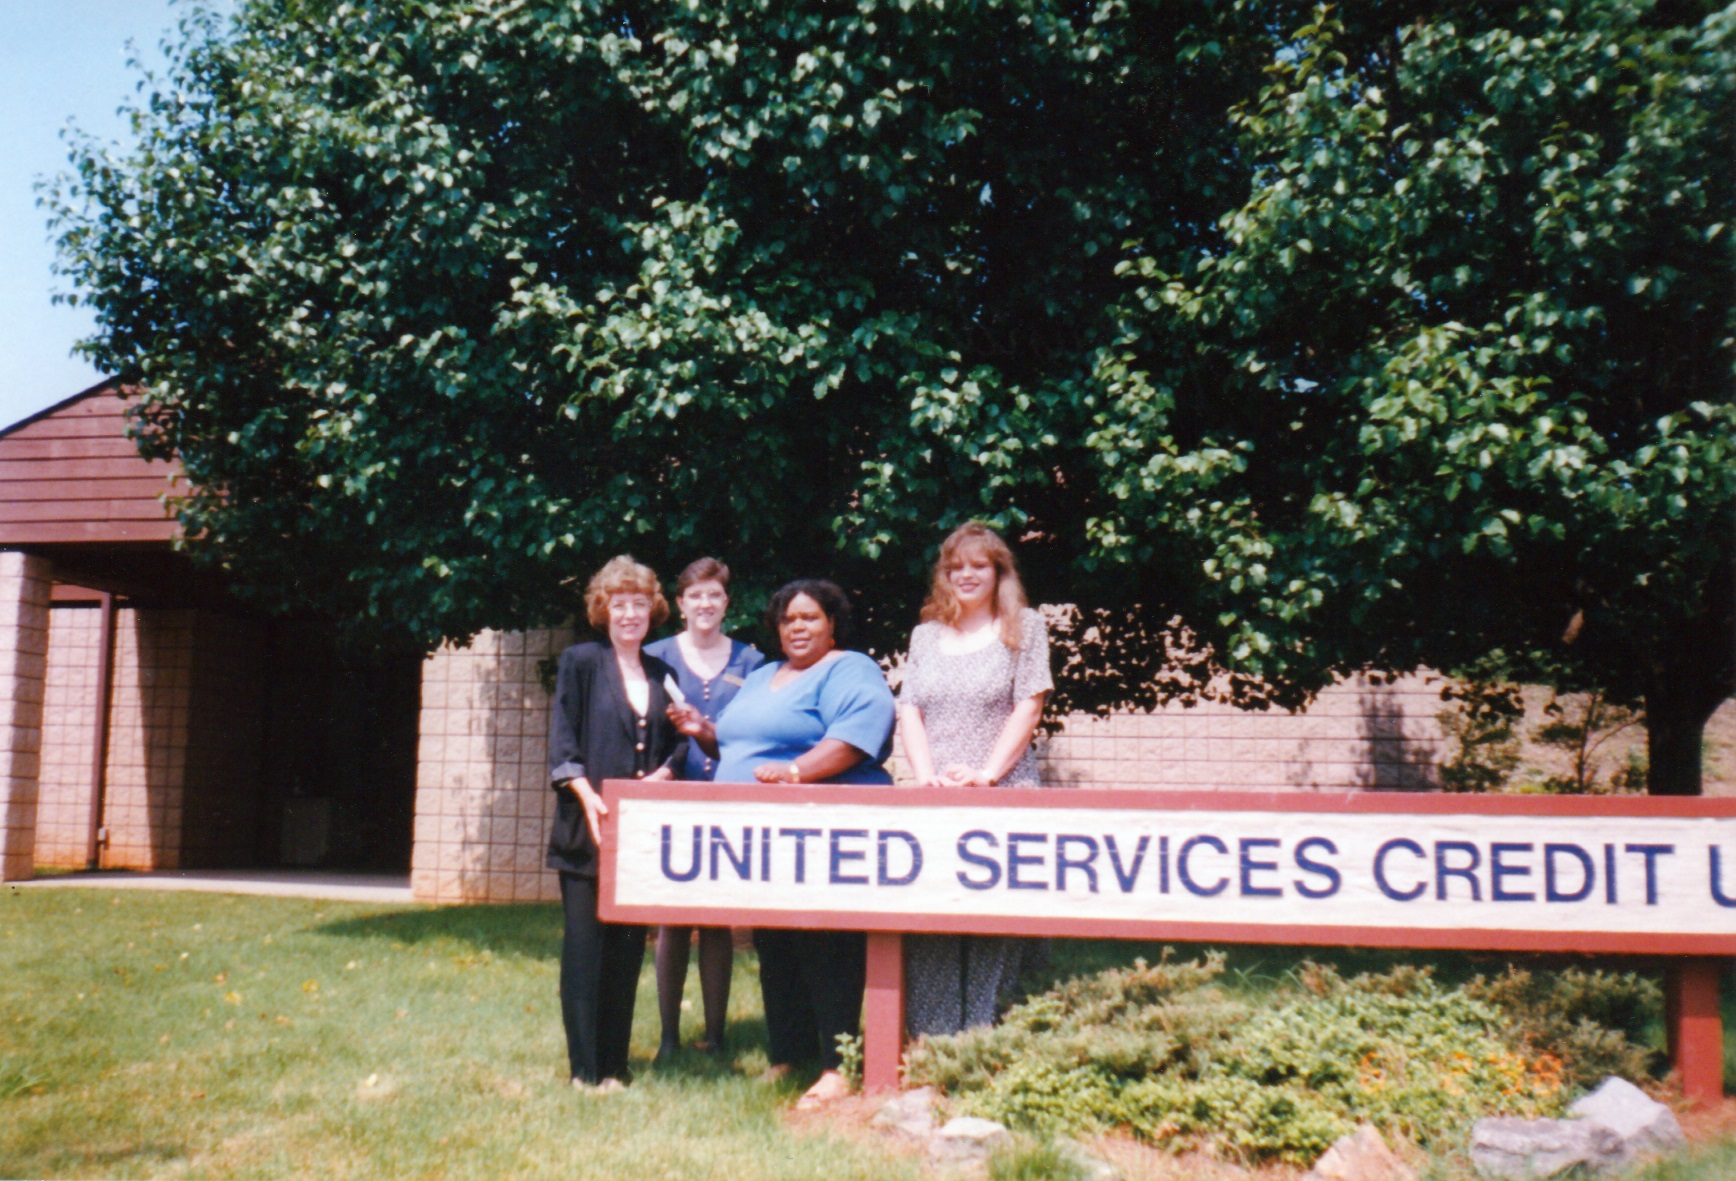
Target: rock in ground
1646, 1127
1361, 1156
1523, 1149
910, 1113
966, 1138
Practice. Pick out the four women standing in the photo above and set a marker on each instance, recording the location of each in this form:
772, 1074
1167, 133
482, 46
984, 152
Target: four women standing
973, 694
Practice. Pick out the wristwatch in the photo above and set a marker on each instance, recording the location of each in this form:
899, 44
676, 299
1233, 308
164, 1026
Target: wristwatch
795, 772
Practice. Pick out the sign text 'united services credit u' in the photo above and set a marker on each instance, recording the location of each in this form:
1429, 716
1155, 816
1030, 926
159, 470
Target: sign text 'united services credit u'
997, 858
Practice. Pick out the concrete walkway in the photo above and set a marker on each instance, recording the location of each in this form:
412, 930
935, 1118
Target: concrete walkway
282, 883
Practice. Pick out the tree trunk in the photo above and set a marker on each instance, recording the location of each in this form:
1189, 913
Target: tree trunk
1690, 671
1688, 682
1673, 752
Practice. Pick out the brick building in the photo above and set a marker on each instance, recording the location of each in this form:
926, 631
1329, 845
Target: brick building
154, 721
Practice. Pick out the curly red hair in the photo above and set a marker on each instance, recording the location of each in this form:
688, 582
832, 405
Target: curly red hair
623, 576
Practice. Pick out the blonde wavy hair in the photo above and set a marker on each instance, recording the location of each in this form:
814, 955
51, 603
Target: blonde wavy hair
943, 606
623, 576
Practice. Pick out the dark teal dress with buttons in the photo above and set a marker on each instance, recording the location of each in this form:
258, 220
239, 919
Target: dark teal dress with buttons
708, 697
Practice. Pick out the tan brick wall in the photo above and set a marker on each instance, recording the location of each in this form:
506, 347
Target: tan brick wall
149, 733
483, 804
68, 732
24, 590
184, 741
1355, 735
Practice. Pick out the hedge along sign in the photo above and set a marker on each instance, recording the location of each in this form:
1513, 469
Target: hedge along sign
1586, 874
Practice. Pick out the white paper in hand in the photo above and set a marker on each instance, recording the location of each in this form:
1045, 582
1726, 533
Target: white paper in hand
674, 690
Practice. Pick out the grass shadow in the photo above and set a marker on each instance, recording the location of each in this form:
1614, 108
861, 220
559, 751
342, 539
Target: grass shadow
113, 1159
528, 930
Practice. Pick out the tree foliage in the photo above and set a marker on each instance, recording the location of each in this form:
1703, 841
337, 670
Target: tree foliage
1288, 343
1469, 346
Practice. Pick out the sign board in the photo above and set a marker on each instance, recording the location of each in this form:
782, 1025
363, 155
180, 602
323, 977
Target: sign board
1595, 874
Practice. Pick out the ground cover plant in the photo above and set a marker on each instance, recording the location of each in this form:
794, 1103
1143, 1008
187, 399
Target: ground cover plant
145, 1034
1178, 1056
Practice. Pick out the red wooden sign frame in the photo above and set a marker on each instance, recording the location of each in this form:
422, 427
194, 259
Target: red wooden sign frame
1695, 1023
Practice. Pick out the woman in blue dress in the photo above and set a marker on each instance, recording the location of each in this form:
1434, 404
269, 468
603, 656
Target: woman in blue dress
821, 715
709, 669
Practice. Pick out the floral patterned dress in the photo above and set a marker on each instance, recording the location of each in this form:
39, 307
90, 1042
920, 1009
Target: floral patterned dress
953, 982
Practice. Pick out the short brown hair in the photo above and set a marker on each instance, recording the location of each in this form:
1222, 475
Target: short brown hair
623, 576
702, 570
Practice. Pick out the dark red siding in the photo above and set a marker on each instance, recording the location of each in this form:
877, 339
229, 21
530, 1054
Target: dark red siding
71, 474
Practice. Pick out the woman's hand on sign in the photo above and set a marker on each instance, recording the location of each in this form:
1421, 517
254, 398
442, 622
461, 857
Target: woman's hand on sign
660, 773
959, 775
593, 805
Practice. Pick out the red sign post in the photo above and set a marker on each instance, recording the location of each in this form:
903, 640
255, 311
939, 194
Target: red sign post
1646, 876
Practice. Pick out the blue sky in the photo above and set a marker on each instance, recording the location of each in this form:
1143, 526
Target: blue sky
60, 60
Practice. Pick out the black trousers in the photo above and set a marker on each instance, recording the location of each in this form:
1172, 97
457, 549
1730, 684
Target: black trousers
813, 983
599, 982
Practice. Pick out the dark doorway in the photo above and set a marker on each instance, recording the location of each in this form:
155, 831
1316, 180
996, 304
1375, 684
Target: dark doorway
340, 741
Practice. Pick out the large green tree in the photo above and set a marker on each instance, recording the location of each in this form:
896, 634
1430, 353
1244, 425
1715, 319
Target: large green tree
1462, 381
443, 302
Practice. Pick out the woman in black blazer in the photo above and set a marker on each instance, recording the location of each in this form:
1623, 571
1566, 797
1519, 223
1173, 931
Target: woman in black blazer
608, 722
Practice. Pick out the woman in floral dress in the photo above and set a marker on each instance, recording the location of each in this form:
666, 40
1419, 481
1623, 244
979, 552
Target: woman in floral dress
973, 693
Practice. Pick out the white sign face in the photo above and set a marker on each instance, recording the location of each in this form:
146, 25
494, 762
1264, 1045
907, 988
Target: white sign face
1638, 877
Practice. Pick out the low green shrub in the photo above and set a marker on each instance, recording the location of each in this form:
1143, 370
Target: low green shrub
850, 1057
1593, 1022
1126, 1021
1170, 1053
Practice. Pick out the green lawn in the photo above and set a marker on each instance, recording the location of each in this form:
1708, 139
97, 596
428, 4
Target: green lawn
203, 1035
197, 1035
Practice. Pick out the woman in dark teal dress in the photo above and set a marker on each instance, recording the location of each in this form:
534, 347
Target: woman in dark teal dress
709, 669
820, 715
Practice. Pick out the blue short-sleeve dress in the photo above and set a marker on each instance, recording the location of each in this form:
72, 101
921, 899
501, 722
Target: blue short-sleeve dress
708, 697
844, 698
811, 980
